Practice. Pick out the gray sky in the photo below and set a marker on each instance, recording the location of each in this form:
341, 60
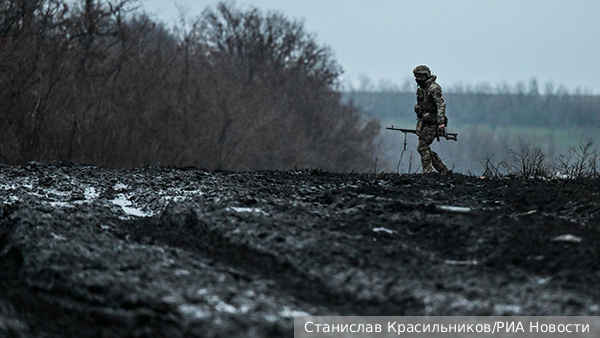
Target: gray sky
462, 41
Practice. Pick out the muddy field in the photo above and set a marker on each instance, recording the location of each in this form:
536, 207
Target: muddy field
156, 252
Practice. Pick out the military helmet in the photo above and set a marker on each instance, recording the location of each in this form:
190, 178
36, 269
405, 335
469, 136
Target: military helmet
422, 69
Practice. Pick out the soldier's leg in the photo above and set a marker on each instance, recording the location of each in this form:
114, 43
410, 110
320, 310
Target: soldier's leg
438, 164
426, 137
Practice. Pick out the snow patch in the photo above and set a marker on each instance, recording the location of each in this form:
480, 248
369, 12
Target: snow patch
224, 307
90, 193
450, 208
125, 204
567, 238
193, 311
120, 186
384, 230
289, 313
249, 210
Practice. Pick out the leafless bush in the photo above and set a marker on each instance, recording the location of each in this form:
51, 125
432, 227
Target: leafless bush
579, 162
530, 163
492, 167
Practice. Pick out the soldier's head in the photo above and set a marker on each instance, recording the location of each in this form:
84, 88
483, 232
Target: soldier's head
422, 73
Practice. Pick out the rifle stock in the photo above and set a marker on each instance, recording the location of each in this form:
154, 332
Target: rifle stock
447, 136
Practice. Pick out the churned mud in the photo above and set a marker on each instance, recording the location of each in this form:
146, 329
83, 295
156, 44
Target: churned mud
155, 252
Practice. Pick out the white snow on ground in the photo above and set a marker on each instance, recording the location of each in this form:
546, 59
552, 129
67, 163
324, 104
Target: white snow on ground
72, 192
384, 230
120, 186
194, 311
90, 193
290, 313
125, 204
250, 210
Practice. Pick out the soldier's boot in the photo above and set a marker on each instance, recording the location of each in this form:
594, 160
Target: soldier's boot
439, 165
445, 171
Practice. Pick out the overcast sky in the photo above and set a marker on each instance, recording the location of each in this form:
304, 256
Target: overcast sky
462, 41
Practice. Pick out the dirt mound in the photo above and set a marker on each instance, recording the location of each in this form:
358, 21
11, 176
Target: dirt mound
88, 251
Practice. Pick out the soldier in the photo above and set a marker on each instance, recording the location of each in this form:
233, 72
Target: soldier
431, 115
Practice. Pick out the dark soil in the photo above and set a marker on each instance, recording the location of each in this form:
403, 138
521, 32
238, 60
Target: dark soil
155, 252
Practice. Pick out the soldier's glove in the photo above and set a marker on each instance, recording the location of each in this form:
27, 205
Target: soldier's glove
441, 132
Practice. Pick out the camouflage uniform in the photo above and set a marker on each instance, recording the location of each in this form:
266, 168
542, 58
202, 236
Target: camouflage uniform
431, 113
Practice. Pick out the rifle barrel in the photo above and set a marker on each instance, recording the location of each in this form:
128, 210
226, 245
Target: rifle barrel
403, 130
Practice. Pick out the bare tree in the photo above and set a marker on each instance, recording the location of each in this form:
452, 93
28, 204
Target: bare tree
98, 82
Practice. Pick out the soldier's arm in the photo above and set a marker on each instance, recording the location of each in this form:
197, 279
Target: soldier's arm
438, 97
420, 99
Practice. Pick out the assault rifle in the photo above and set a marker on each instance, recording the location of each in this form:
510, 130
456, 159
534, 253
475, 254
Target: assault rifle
440, 133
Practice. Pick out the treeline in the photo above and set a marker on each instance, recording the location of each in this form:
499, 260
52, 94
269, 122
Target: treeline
366, 84
550, 111
102, 83
485, 109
